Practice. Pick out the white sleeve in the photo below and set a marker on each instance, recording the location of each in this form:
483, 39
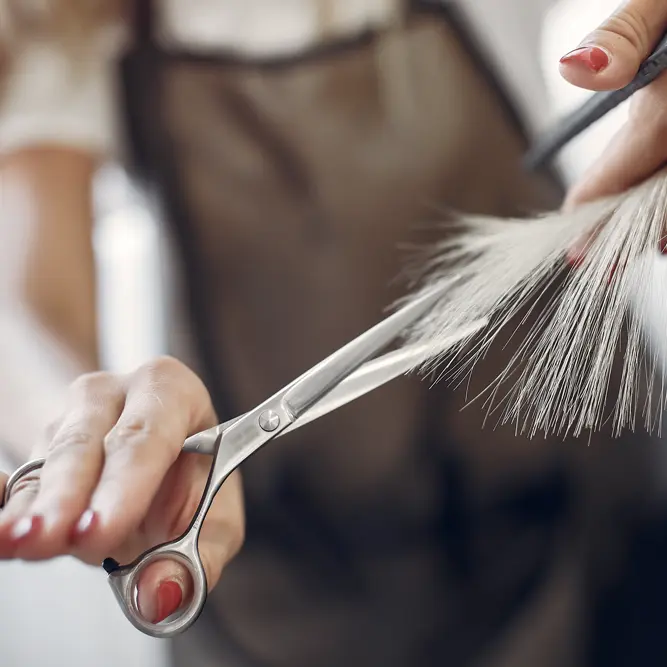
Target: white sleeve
49, 97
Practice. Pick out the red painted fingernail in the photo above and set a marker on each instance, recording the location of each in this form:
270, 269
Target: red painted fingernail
85, 524
592, 58
169, 598
663, 245
26, 527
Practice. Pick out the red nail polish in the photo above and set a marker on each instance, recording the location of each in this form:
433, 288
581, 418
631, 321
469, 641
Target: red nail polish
169, 598
85, 525
590, 57
663, 245
25, 528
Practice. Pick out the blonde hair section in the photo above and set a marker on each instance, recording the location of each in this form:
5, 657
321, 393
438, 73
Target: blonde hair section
565, 371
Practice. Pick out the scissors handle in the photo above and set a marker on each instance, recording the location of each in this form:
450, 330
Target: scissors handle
234, 446
124, 581
25, 470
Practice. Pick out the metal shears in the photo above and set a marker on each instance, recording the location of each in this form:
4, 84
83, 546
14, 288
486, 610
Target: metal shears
341, 378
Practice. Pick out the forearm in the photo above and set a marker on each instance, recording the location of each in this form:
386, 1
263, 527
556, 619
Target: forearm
47, 287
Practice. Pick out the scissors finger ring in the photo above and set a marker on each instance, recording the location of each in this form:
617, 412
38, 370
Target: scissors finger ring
20, 473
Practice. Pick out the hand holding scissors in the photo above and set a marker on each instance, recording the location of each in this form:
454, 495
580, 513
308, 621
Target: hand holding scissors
342, 377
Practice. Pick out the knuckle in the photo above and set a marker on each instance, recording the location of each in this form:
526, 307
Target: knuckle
168, 378
130, 432
632, 26
163, 367
92, 383
70, 438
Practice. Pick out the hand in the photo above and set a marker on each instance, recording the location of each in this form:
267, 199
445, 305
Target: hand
608, 59
116, 483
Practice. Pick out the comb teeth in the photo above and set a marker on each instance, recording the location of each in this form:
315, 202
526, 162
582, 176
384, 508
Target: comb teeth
560, 377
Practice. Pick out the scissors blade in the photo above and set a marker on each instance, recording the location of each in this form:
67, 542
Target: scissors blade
315, 384
370, 376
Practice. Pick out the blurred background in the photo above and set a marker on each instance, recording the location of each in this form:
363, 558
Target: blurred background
65, 609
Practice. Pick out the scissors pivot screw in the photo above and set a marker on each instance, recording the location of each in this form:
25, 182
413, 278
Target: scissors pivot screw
269, 420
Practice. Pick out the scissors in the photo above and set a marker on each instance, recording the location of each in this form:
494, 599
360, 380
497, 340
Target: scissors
596, 107
342, 377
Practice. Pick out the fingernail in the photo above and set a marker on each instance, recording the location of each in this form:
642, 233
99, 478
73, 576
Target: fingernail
169, 598
663, 245
26, 527
85, 524
592, 58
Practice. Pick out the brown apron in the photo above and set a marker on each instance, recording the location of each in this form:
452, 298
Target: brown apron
397, 532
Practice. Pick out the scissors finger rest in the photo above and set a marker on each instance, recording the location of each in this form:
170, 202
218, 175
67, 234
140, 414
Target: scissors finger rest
18, 475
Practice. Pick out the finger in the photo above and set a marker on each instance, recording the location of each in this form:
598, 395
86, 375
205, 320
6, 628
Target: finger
637, 151
46, 526
609, 57
165, 403
166, 586
12, 529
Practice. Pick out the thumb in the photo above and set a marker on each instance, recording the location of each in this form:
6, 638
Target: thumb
609, 57
166, 586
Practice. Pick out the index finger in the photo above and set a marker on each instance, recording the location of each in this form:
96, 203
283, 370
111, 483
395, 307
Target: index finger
165, 403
